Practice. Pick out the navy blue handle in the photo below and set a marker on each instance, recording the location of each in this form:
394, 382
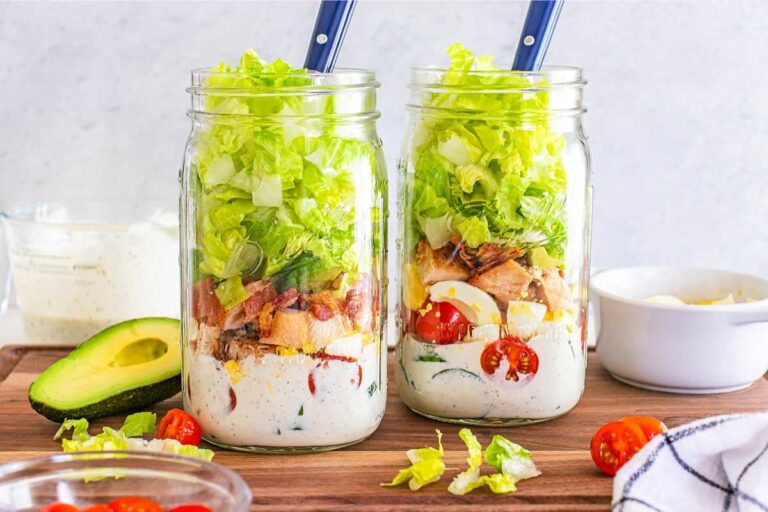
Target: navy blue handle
331, 26
537, 32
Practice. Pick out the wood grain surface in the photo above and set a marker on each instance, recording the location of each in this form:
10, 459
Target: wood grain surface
348, 479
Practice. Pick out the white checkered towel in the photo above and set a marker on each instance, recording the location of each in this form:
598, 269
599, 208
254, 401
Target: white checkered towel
718, 463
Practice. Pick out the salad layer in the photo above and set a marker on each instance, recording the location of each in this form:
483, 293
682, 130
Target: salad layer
285, 300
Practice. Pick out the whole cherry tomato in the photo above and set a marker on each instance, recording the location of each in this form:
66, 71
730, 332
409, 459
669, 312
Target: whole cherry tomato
517, 360
442, 323
650, 426
134, 504
191, 508
97, 508
59, 507
615, 443
178, 425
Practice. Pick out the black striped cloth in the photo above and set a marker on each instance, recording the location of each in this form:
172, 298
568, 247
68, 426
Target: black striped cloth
717, 464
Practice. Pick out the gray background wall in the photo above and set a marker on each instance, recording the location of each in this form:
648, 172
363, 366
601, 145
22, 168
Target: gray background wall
92, 102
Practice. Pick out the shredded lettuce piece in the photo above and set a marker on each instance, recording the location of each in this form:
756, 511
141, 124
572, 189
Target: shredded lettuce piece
470, 479
427, 466
128, 437
490, 178
138, 424
511, 459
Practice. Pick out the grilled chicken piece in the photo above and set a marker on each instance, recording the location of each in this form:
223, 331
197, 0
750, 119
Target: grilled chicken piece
434, 266
207, 340
554, 291
288, 328
322, 332
508, 281
489, 256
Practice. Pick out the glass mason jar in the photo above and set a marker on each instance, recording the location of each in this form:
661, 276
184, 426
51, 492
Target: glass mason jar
283, 260
494, 248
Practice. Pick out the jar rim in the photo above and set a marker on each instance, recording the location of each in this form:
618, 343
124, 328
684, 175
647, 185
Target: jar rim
340, 80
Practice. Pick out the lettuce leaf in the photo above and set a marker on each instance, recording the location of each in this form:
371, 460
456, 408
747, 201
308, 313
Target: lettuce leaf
511, 459
470, 479
138, 424
496, 179
427, 466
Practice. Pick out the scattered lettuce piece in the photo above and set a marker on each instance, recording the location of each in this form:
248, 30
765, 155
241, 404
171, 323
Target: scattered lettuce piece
470, 479
511, 459
427, 466
128, 437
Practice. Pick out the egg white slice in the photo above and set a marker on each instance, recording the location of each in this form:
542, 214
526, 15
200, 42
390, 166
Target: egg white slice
524, 318
474, 303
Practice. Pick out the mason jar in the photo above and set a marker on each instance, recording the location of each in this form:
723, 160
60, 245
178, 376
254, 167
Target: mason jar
283, 260
494, 246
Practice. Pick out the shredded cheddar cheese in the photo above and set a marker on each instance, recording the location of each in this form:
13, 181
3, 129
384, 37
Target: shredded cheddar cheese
233, 368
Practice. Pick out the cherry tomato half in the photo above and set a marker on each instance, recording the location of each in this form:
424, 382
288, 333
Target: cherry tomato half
441, 322
650, 426
134, 504
615, 443
59, 507
522, 362
321, 382
97, 508
191, 508
178, 425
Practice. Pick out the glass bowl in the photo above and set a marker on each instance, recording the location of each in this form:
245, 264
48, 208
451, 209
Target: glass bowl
85, 479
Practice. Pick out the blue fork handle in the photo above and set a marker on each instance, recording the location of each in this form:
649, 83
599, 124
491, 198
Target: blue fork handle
331, 26
537, 32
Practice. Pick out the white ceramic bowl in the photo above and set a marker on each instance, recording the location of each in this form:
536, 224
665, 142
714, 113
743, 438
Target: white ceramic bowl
681, 348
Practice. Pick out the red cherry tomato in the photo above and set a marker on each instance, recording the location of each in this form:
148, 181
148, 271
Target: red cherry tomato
97, 508
178, 425
615, 443
318, 378
59, 507
650, 426
191, 508
441, 322
134, 504
517, 360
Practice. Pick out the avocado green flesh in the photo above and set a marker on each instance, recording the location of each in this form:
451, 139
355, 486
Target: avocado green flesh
127, 366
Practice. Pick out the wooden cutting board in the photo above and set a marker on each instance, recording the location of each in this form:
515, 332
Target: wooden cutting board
348, 479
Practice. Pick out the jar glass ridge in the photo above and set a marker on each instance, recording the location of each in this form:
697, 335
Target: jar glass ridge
495, 208
283, 260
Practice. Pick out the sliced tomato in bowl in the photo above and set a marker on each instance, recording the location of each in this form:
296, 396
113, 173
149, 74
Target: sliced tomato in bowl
134, 504
59, 507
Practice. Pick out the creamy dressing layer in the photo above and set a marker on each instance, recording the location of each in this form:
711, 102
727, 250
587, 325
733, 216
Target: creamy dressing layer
458, 387
267, 401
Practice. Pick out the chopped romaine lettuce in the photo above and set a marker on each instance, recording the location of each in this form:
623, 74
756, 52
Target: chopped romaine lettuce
427, 466
511, 459
285, 187
487, 175
128, 437
471, 479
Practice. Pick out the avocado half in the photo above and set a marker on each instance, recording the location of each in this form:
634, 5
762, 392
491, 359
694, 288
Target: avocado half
127, 366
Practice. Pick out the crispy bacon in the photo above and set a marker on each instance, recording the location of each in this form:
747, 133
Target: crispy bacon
288, 298
324, 305
206, 307
261, 293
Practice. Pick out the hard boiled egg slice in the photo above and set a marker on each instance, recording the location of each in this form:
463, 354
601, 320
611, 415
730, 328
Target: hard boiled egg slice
523, 318
474, 303
665, 299
485, 333
348, 346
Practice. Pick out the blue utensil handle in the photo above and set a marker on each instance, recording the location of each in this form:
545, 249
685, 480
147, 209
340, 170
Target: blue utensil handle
331, 26
537, 32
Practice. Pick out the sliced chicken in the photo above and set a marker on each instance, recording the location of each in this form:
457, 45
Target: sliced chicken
440, 265
207, 341
554, 290
288, 328
322, 332
507, 281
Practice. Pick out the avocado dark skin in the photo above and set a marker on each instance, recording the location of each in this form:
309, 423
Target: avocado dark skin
129, 400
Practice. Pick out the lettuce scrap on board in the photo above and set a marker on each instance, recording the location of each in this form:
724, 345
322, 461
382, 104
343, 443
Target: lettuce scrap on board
489, 175
427, 466
274, 190
127, 437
